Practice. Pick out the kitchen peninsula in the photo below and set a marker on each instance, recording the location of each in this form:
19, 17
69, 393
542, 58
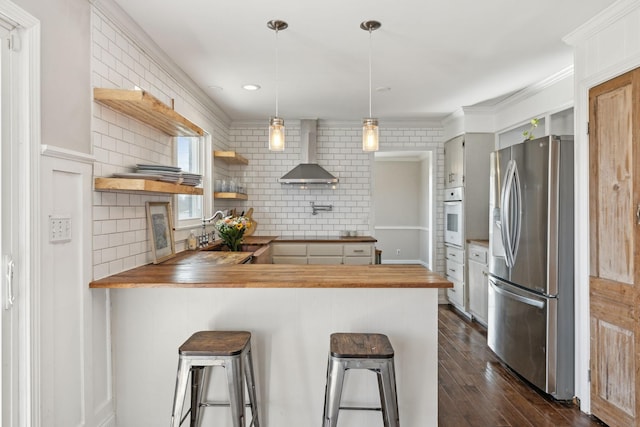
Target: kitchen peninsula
291, 310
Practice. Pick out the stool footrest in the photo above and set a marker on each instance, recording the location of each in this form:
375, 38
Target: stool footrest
360, 408
227, 404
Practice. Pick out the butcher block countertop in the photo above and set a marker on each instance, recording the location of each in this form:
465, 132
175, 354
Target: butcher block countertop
209, 275
210, 257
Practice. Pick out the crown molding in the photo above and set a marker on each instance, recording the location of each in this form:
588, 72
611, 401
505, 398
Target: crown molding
607, 17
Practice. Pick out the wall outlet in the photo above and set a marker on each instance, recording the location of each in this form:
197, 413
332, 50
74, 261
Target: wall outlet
397, 251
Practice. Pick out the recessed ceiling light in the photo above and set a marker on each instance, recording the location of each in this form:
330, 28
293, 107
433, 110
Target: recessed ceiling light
251, 87
214, 87
383, 89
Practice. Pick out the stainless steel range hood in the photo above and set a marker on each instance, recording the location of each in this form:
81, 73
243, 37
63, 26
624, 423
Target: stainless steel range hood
308, 171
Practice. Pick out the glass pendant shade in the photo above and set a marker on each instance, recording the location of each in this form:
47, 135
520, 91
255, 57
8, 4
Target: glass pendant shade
276, 134
370, 135
370, 125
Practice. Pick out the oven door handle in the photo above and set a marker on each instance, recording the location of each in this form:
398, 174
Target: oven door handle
520, 298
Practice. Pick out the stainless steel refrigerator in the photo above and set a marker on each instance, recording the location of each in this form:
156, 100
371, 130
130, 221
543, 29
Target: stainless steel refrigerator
531, 275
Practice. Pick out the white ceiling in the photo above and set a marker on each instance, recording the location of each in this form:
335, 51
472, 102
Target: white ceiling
435, 56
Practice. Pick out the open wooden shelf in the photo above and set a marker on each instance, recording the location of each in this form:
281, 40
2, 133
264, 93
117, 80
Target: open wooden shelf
148, 109
234, 196
126, 184
231, 157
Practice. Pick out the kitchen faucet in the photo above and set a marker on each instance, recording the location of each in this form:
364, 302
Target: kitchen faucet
204, 237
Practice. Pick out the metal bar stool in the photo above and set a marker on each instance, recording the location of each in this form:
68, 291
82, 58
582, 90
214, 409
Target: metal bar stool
205, 349
361, 351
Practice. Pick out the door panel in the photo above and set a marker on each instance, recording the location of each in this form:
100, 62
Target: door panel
530, 269
614, 197
519, 318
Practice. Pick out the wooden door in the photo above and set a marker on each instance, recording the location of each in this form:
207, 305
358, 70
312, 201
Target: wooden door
614, 273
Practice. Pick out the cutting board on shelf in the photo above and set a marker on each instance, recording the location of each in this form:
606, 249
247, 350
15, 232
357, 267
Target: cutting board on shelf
254, 224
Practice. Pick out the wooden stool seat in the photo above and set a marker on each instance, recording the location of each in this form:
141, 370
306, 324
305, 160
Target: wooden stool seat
360, 351
369, 346
205, 349
215, 343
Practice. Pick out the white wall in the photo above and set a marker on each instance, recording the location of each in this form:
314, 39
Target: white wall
65, 71
605, 47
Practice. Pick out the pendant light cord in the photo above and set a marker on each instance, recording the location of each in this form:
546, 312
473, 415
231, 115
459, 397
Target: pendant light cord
277, 82
370, 49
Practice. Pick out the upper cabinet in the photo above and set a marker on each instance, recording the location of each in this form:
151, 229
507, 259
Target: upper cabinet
454, 162
143, 106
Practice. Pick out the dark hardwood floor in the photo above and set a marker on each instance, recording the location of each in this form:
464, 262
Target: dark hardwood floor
476, 389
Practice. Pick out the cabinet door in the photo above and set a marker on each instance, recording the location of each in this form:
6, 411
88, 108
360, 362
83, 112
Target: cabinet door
478, 291
289, 249
289, 259
456, 294
357, 260
454, 162
325, 260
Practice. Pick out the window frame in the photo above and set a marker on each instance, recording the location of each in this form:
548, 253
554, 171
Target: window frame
204, 153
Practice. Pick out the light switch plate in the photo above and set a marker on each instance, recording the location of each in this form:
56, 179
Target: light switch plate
59, 228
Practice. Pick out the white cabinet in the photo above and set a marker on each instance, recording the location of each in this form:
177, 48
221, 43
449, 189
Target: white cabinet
324, 253
327, 253
466, 167
478, 282
359, 254
289, 253
454, 258
454, 162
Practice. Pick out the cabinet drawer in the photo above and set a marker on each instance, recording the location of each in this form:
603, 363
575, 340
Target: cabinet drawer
357, 250
456, 254
324, 249
289, 259
357, 260
455, 270
478, 254
325, 260
287, 249
456, 294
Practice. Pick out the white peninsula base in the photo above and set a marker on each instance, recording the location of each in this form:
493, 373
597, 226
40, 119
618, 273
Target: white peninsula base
290, 329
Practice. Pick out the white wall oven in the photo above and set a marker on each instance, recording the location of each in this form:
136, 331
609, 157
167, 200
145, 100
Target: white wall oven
453, 222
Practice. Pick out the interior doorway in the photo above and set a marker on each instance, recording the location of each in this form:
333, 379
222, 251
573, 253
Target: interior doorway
403, 206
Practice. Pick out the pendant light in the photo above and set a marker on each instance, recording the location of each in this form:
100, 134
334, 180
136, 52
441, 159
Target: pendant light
276, 124
369, 124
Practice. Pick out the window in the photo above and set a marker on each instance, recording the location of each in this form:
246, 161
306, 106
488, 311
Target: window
189, 154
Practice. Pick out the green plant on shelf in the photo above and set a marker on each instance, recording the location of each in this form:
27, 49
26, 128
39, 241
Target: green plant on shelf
528, 134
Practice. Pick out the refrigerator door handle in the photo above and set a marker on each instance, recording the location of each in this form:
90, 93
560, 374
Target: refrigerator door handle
516, 218
505, 214
520, 298
511, 204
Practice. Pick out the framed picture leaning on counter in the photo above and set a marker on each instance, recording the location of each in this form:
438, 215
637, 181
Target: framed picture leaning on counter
160, 226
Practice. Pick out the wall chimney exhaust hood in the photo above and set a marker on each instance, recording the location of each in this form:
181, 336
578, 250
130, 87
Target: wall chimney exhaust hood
308, 171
